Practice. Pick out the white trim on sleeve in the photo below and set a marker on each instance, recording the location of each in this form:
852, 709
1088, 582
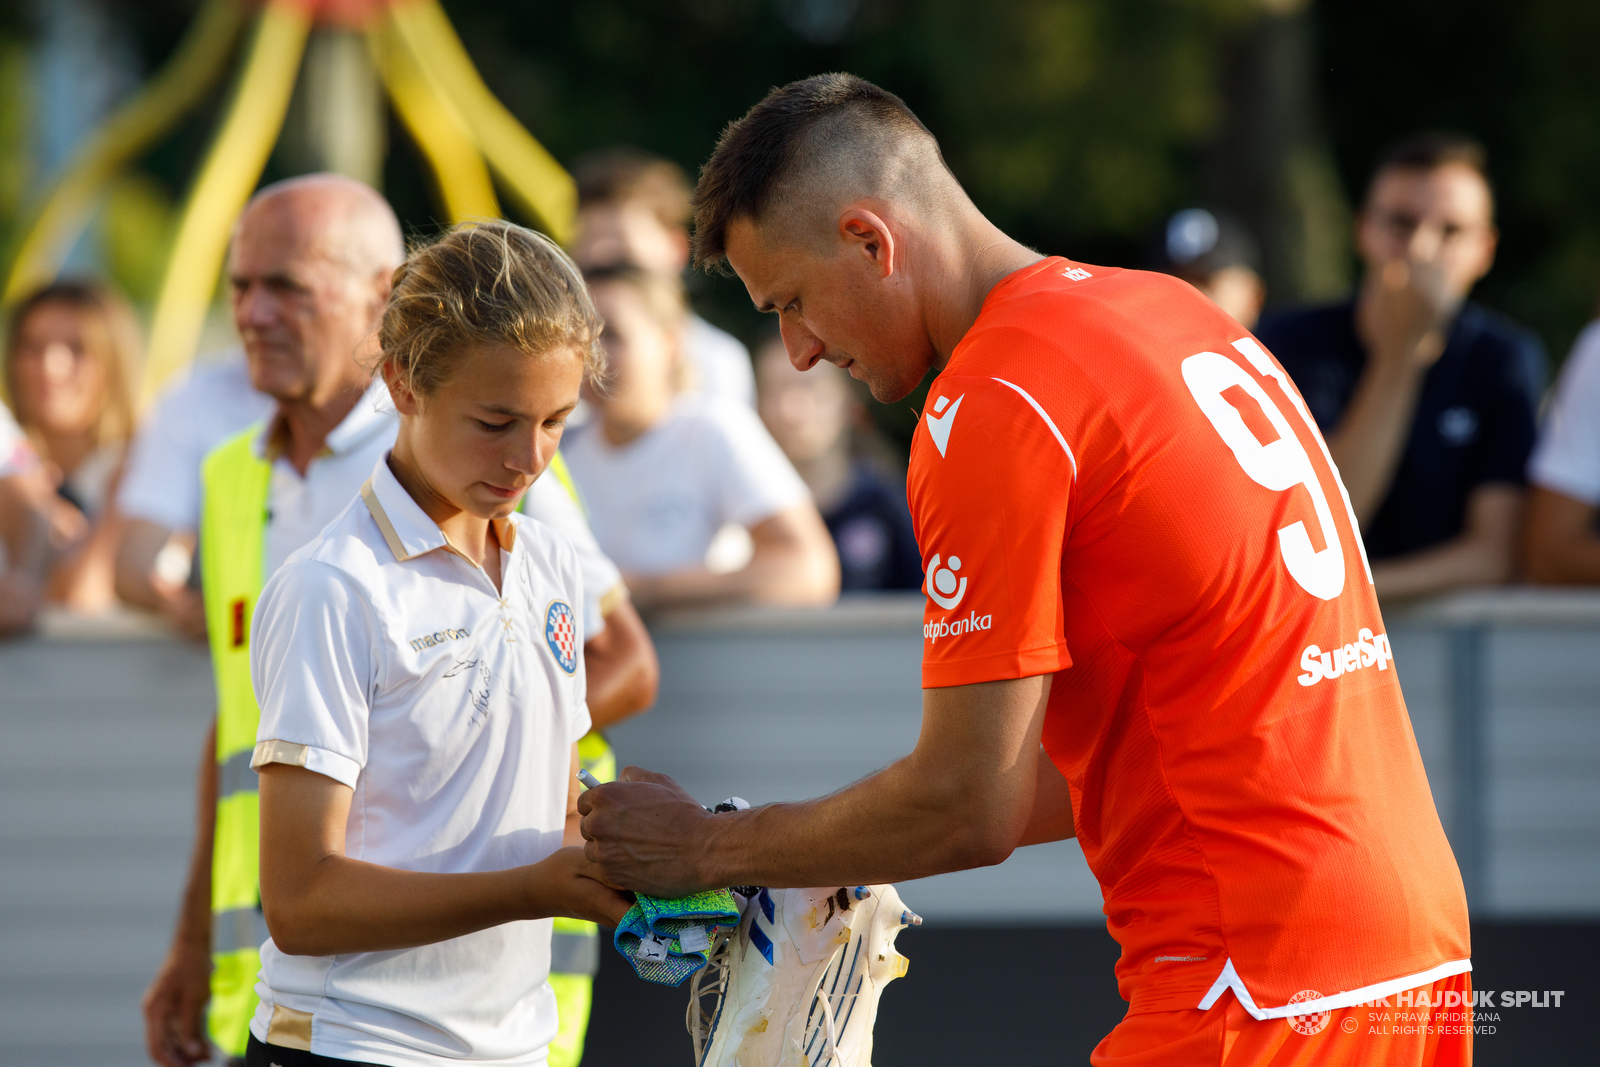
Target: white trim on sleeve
1229, 979
1048, 421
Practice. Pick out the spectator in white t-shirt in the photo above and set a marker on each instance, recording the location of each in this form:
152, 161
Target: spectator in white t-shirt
1562, 536
24, 528
160, 492
664, 473
634, 208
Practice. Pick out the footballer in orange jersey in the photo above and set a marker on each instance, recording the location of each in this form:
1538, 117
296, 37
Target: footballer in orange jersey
1150, 621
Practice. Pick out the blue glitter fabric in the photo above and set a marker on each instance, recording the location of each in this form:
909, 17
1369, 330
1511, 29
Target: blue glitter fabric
653, 924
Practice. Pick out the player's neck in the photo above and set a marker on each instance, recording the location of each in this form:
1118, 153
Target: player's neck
974, 258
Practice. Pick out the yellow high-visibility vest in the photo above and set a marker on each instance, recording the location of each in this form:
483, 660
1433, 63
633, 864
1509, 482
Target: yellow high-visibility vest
232, 542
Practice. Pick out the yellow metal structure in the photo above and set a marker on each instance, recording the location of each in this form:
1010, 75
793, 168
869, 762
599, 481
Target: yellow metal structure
464, 132
227, 178
437, 127
535, 180
182, 84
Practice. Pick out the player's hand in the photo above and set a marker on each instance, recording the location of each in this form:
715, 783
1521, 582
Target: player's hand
175, 1006
647, 834
567, 883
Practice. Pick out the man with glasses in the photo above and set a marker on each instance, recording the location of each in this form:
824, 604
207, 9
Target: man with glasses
1428, 402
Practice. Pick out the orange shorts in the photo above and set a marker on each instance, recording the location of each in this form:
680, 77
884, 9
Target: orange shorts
1393, 1032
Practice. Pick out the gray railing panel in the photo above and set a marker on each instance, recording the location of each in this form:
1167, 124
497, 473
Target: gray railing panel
102, 738
102, 733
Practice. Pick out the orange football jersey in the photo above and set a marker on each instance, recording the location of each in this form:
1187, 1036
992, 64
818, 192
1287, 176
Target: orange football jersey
1113, 482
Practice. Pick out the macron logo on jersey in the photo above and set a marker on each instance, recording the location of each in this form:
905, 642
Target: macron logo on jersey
939, 429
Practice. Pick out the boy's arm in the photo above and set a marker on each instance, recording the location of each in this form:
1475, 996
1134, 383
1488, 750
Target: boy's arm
319, 902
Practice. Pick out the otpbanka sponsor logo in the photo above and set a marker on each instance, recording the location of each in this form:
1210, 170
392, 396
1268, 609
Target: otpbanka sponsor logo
1367, 650
947, 591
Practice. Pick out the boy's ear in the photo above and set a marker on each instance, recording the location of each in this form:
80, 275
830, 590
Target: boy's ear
400, 391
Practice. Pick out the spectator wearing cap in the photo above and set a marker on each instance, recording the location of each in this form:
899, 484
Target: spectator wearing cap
821, 426
634, 208
1562, 541
1428, 401
1213, 252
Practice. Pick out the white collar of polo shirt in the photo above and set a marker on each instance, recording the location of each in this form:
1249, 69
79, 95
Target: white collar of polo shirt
372, 414
406, 528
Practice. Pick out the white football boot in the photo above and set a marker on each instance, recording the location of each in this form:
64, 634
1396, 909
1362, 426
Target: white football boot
797, 983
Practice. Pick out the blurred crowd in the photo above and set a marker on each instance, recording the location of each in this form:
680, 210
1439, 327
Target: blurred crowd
709, 476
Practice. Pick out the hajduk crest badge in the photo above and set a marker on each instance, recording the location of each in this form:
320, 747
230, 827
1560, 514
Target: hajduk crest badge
561, 634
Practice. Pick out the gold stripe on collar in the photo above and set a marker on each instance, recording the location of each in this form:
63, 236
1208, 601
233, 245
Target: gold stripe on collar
381, 517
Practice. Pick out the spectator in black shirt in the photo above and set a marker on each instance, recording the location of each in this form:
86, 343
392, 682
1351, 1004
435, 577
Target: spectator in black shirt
861, 499
1428, 402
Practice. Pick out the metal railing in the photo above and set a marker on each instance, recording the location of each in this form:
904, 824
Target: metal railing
103, 721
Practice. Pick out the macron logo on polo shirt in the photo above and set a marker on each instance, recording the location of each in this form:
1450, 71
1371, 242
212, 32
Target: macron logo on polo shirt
939, 429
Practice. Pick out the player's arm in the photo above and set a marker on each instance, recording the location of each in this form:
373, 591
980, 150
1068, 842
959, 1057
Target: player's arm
620, 667
792, 562
1052, 806
320, 902
964, 797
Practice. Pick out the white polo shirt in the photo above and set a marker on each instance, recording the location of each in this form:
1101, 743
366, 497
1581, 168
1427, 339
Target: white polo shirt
299, 507
161, 478
386, 661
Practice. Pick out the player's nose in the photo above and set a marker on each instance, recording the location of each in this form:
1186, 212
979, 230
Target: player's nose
803, 346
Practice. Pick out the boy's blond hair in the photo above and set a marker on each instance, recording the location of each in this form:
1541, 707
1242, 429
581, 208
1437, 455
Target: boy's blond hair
485, 283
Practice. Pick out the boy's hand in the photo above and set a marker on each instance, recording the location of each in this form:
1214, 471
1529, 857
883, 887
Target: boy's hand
566, 883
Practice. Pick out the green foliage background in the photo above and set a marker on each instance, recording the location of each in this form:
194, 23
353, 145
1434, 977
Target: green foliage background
1078, 125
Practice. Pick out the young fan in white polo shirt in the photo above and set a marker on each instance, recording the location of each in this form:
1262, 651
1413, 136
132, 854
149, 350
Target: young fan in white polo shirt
419, 671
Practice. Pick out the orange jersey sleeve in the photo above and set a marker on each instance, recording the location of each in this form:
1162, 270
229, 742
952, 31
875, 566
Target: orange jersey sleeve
991, 517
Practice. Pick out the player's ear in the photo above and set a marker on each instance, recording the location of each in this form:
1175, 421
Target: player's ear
868, 236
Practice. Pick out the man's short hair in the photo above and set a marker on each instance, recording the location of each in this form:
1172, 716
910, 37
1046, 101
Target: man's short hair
757, 153
623, 175
1433, 149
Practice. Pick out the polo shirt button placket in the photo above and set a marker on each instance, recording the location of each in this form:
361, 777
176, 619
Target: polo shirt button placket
506, 620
